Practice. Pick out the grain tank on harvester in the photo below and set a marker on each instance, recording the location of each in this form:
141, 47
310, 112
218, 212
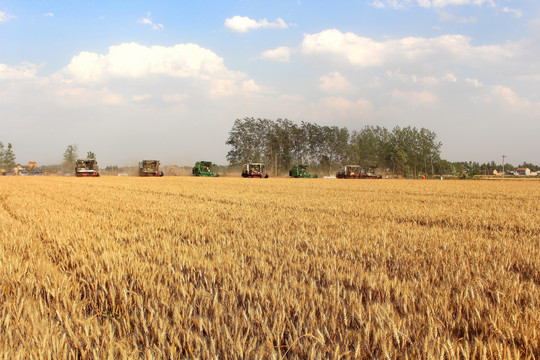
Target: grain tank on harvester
86, 168
149, 168
204, 168
357, 172
301, 171
254, 170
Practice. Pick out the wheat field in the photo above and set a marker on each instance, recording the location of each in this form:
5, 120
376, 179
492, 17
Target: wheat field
231, 268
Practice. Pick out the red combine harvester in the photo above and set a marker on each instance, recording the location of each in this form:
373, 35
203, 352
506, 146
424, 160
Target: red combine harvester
254, 170
150, 168
356, 172
86, 168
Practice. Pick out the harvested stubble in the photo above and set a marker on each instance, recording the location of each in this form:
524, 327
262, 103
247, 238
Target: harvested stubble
256, 269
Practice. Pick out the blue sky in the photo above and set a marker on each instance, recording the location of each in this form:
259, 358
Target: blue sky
166, 79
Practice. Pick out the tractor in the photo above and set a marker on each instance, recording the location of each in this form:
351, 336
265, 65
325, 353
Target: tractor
301, 171
204, 168
86, 168
149, 168
254, 170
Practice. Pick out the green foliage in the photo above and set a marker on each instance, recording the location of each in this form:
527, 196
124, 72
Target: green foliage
7, 156
531, 166
407, 151
263, 140
90, 155
70, 155
2, 149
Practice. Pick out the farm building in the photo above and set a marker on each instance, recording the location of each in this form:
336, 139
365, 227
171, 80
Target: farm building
523, 171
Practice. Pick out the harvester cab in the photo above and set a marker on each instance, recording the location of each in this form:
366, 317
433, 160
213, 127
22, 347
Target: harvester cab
254, 170
149, 168
86, 168
301, 171
204, 168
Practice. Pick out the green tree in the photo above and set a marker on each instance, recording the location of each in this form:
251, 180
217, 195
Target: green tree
90, 155
8, 157
531, 166
70, 155
1, 155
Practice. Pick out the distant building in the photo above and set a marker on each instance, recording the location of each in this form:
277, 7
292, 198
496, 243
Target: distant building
523, 171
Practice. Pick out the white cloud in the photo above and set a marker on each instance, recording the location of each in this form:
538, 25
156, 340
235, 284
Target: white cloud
24, 71
142, 97
509, 97
449, 17
402, 4
334, 83
197, 66
450, 78
415, 79
415, 98
474, 82
244, 24
5, 17
279, 54
49, 14
250, 86
148, 21
81, 95
516, 12
358, 50
131, 60
365, 52
337, 107
444, 3
175, 98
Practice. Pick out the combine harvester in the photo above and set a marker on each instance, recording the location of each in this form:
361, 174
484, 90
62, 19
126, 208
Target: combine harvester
254, 170
86, 168
301, 171
204, 168
356, 172
149, 168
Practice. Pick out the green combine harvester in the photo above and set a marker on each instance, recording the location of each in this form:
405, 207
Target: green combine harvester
204, 168
301, 171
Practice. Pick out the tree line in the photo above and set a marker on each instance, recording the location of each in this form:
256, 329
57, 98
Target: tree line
407, 151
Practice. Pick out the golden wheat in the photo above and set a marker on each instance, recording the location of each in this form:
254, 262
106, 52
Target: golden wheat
280, 268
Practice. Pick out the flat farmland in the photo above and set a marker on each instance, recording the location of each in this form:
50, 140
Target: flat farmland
231, 268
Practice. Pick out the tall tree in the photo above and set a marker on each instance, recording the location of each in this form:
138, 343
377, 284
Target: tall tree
8, 157
70, 155
90, 155
1, 155
245, 140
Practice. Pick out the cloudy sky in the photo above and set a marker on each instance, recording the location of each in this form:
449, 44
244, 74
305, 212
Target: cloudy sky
166, 79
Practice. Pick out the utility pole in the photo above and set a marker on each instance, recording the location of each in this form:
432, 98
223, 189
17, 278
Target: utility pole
503, 167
